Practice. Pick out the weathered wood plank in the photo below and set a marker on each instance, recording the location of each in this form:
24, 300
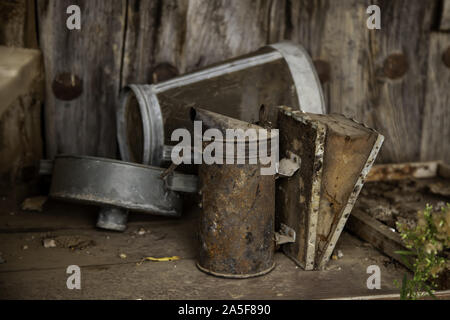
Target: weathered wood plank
143, 22
436, 115
335, 34
397, 90
362, 82
21, 97
375, 76
182, 280
18, 24
376, 233
417, 170
191, 34
445, 18
82, 75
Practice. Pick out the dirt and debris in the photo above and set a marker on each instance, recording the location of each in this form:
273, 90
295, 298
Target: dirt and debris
141, 232
399, 201
337, 255
440, 188
49, 243
122, 256
68, 242
34, 203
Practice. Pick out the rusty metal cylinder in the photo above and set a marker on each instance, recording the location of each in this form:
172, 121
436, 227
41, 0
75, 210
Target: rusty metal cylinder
236, 227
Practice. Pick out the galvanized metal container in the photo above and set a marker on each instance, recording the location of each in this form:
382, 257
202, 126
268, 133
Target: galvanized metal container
278, 74
236, 229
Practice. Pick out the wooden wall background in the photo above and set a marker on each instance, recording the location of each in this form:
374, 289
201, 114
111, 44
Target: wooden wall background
395, 79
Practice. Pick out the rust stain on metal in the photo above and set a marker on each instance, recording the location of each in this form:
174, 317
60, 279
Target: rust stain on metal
237, 224
395, 66
67, 86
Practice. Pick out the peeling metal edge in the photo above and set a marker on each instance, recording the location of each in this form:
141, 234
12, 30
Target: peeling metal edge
306, 81
313, 213
315, 198
337, 229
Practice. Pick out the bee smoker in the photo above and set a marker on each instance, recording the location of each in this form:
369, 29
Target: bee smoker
236, 229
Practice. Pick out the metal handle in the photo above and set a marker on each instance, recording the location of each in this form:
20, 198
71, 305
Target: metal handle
182, 183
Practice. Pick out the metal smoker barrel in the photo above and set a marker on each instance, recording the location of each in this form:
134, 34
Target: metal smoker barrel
236, 229
278, 74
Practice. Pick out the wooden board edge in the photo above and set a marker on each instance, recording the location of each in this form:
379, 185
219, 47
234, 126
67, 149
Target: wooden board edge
407, 170
376, 233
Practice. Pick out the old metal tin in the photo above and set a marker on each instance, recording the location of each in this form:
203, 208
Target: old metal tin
236, 229
119, 184
279, 74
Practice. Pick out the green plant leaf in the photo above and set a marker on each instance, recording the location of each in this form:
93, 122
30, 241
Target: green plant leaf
403, 292
405, 253
406, 263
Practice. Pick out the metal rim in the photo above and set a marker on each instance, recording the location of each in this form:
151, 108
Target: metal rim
304, 75
152, 124
175, 181
120, 162
235, 276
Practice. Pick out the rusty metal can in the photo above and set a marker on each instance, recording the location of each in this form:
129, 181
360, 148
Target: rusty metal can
236, 228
